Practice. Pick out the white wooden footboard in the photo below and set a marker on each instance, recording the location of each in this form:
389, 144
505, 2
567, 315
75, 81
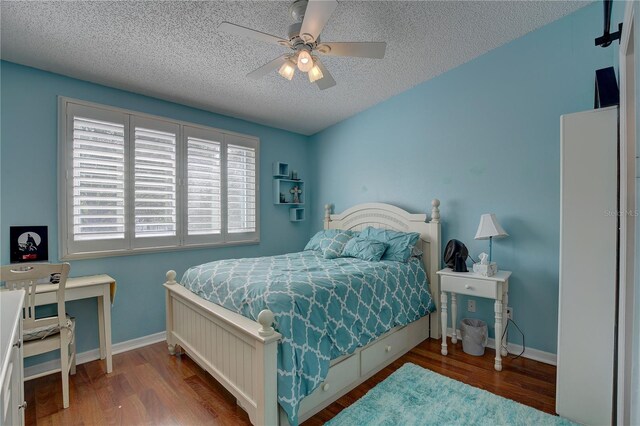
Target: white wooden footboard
237, 352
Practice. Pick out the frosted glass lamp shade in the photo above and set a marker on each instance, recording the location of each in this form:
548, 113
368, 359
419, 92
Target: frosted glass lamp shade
489, 227
305, 62
315, 74
286, 70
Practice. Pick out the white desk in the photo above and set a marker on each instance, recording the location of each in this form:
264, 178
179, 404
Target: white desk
11, 385
495, 287
103, 287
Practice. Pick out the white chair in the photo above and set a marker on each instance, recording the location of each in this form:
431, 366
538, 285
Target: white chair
46, 334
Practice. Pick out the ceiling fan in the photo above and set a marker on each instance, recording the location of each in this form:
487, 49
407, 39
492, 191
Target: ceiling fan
310, 17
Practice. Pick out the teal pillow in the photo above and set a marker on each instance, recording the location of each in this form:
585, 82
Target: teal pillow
400, 243
364, 249
332, 247
314, 242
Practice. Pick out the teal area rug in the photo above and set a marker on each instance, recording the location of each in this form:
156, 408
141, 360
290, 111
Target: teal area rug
415, 396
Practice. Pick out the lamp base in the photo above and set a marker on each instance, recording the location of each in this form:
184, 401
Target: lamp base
485, 270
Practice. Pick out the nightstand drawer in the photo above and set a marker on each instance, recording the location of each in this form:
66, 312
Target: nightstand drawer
469, 286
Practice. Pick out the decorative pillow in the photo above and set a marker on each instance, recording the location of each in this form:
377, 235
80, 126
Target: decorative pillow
314, 242
332, 247
364, 249
400, 243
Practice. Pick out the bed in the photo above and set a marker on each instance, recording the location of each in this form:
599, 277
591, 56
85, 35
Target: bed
246, 356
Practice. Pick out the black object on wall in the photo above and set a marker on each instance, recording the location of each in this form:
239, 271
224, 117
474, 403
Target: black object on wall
606, 91
29, 244
607, 38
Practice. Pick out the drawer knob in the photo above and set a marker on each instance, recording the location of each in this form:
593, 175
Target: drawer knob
467, 286
325, 387
18, 344
388, 348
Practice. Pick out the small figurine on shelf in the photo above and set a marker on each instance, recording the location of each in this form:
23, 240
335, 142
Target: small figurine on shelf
282, 199
296, 197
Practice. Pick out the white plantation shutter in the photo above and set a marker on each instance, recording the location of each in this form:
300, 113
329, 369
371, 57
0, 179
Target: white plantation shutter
242, 188
131, 183
95, 180
204, 185
154, 182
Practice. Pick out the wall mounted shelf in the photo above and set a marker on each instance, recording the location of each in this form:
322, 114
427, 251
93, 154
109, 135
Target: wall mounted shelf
296, 214
280, 170
282, 185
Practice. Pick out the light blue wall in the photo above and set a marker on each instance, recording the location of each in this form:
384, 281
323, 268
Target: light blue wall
28, 186
482, 138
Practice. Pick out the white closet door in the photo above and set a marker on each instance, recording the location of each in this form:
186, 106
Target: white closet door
588, 246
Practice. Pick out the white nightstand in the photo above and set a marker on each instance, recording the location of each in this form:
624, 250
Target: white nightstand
495, 287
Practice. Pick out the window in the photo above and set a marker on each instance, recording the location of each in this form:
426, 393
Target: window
241, 188
154, 182
131, 183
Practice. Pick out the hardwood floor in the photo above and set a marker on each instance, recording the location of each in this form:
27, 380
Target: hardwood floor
148, 386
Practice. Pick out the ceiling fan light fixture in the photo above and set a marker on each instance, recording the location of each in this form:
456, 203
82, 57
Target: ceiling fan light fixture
315, 74
305, 62
287, 70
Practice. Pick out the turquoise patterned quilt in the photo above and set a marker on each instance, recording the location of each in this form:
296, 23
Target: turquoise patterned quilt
324, 308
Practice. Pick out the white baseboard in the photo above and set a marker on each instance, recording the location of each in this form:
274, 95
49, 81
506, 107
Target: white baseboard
534, 354
53, 366
49, 367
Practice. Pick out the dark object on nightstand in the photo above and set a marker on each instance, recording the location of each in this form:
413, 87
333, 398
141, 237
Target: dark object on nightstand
455, 256
461, 264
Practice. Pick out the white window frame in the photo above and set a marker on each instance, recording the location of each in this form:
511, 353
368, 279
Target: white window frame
70, 249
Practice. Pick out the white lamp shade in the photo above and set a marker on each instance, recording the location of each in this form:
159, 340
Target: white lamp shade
287, 69
305, 62
489, 227
315, 74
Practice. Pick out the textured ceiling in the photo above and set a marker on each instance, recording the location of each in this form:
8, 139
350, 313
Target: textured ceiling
171, 50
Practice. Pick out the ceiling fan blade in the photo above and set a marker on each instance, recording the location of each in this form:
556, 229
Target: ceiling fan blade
268, 67
316, 17
327, 80
371, 49
239, 30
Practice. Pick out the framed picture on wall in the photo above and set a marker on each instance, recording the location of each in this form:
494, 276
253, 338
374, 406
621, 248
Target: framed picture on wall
29, 244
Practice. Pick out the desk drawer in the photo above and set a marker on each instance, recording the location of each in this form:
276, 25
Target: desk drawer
469, 286
381, 352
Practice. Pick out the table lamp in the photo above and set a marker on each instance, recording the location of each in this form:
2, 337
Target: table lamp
489, 228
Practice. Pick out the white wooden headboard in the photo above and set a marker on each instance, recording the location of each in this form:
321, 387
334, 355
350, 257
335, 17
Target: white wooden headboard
386, 216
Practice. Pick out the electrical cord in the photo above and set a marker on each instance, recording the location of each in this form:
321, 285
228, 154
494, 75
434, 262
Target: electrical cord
504, 344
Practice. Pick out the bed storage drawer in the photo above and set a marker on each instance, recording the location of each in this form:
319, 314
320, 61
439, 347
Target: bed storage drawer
340, 375
380, 352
